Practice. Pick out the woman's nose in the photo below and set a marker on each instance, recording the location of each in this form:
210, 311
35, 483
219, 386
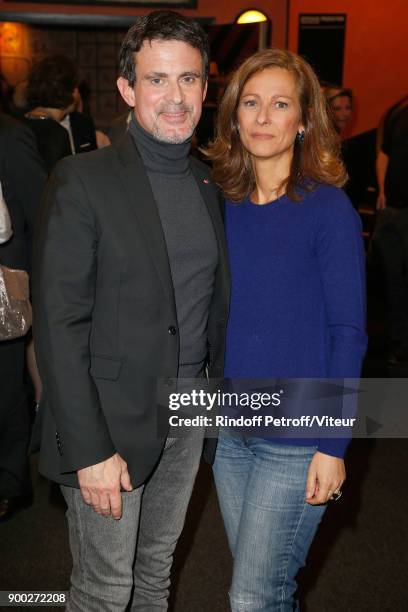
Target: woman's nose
263, 116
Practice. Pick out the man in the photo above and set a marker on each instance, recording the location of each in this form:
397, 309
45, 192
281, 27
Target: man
392, 235
22, 178
131, 290
52, 95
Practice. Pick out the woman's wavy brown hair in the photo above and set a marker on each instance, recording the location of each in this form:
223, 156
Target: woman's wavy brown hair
316, 160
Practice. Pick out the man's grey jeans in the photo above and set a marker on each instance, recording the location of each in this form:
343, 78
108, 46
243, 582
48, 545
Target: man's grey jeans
115, 562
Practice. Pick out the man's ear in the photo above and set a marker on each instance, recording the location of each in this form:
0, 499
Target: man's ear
126, 91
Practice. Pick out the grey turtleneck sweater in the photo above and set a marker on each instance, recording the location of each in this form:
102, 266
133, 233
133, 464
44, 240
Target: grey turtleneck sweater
190, 240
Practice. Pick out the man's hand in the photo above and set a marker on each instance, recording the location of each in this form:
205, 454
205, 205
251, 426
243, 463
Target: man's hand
100, 485
326, 475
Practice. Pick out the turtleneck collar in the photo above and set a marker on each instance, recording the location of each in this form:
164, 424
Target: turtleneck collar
160, 157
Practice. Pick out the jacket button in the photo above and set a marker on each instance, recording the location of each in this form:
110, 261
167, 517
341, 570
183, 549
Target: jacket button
172, 330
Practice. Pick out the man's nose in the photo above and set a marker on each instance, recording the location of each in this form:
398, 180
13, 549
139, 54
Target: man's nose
175, 93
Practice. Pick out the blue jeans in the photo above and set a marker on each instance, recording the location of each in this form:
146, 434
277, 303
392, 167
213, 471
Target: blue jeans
261, 489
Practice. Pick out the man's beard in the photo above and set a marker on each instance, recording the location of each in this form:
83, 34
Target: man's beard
161, 135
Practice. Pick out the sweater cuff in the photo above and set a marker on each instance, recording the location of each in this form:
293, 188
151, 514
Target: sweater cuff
336, 447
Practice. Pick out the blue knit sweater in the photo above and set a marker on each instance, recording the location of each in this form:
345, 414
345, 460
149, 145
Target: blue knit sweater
298, 292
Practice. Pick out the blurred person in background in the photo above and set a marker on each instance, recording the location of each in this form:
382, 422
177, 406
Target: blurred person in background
80, 126
52, 96
391, 239
22, 177
83, 106
49, 95
358, 150
340, 102
340, 107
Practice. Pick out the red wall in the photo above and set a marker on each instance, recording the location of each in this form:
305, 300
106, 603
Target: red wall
224, 11
376, 51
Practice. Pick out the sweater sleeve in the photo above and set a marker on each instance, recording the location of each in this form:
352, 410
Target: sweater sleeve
340, 253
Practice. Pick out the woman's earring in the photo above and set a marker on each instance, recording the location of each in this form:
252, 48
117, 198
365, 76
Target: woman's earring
300, 137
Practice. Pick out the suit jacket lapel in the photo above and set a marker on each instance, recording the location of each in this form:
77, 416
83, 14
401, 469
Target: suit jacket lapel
211, 197
142, 205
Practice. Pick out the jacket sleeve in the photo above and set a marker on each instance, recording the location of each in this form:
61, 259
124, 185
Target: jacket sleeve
65, 269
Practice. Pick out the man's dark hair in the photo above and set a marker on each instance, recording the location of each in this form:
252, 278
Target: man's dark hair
51, 82
161, 25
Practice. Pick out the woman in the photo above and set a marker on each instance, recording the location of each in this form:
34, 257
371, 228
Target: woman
340, 102
360, 175
297, 311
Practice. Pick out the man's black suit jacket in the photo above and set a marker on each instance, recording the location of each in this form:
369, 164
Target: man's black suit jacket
105, 314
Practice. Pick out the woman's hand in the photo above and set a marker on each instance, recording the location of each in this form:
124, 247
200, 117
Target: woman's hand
325, 477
